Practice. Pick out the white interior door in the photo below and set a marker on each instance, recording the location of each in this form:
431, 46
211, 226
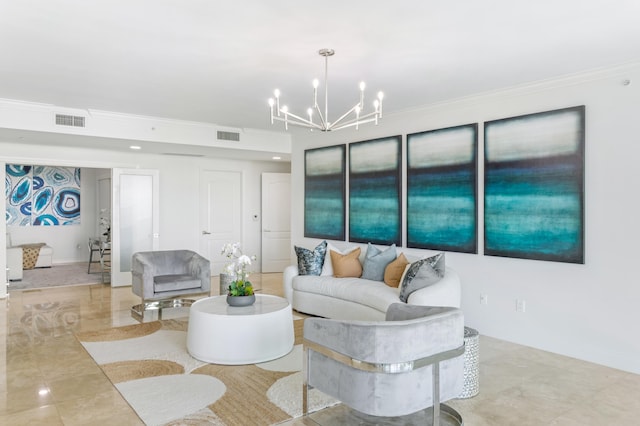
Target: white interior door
276, 221
220, 214
135, 214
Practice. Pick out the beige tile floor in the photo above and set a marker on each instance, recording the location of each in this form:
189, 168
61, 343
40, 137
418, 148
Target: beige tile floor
46, 377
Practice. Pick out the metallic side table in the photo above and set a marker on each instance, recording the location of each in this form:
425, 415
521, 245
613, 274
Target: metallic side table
471, 363
225, 282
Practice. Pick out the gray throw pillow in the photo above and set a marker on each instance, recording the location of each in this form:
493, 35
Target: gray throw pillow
421, 274
376, 261
310, 262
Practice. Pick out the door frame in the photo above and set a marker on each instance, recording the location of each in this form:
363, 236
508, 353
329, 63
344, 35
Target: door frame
123, 278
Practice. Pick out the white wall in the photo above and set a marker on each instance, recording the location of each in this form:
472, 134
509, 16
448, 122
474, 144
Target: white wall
585, 311
179, 193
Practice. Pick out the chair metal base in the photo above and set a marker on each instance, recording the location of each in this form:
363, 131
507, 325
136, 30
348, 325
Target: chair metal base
137, 311
342, 415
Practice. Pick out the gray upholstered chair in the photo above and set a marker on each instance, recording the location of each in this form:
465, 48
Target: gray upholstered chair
160, 278
410, 362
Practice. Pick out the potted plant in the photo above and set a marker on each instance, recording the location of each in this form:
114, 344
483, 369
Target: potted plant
240, 290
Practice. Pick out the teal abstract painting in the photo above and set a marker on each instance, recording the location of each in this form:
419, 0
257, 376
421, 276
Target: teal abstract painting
441, 189
324, 192
534, 186
375, 181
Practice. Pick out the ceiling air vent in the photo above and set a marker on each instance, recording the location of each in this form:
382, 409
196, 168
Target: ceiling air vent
69, 120
228, 136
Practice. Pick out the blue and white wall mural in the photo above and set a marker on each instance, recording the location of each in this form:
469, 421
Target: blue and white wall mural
375, 180
441, 189
324, 192
42, 195
534, 186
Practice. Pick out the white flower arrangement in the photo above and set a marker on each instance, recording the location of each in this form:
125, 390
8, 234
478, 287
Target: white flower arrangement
238, 268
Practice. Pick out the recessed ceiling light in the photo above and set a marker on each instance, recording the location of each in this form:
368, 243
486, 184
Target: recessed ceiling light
135, 147
276, 158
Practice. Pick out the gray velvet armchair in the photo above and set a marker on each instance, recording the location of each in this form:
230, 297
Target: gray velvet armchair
166, 275
410, 362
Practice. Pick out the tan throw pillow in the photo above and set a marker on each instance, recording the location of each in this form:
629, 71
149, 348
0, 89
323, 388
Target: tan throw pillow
327, 266
346, 265
394, 270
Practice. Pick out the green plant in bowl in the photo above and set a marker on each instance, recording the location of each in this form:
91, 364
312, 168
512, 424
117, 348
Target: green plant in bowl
240, 288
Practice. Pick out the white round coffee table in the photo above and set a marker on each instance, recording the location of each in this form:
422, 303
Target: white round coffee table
222, 334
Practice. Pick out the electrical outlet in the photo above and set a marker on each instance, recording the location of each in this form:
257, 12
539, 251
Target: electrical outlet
521, 305
484, 299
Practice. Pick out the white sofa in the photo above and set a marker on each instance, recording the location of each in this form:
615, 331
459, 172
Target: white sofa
360, 299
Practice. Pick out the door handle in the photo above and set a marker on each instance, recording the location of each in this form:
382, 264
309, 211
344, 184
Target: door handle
206, 233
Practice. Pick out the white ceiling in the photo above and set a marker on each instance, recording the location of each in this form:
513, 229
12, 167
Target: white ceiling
219, 61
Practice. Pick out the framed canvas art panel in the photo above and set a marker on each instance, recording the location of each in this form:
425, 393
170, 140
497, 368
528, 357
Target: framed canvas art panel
56, 196
442, 189
534, 186
18, 192
375, 181
324, 192
42, 195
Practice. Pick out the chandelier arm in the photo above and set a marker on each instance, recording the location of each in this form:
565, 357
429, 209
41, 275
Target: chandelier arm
291, 122
345, 115
306, 125
353, 123
323, 120
304, 120
370, 114
291, 119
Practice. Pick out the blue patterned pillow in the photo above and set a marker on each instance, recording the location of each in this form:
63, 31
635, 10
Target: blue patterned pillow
310, 262
421, 274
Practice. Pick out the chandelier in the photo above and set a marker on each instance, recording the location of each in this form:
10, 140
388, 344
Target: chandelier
352, 118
